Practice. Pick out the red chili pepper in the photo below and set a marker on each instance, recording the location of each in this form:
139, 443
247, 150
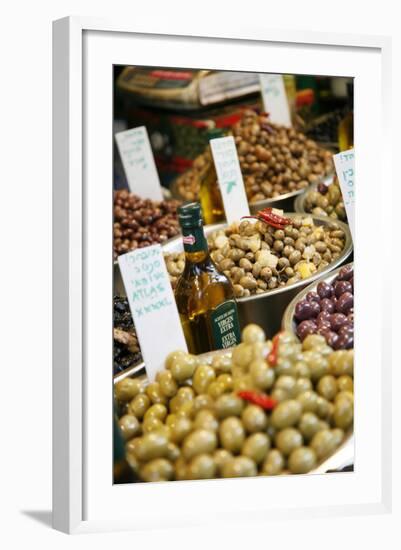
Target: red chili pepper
272, 357
261, 399
268, 216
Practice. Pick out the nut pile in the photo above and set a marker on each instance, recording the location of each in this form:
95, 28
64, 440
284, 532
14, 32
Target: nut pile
141, 222
326, 201
329, 311
276, 160
267, 408
126, 350
257, 257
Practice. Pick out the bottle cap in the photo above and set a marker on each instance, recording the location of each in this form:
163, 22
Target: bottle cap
190, 215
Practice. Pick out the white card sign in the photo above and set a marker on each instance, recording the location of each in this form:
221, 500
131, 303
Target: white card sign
345, 168
275, 100
139, 164
152, 305
229, 178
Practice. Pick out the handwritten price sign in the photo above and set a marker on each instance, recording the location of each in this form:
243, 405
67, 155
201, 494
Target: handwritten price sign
229, 178
139, 163
152, 305
275, 100
344, 163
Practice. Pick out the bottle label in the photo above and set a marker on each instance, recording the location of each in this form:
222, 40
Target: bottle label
225, 325
194, 239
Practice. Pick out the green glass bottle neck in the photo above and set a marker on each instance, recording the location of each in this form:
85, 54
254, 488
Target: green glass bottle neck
195, 244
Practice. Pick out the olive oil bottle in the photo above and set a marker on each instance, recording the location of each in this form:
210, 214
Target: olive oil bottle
204, 296
209, 192
346, 126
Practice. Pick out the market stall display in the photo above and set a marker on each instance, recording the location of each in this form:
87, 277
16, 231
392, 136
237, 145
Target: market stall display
326, 308
141, 222
262, 408
323, 200
126, 350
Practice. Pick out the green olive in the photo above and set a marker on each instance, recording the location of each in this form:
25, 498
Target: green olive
308, 401
302, 385
180, 469
158, 469
158, 410
253, 333
284, 366
317, 363
313, 341
198, 442
286, 383
168, 385
343, 414
128, 388
232, 434
203, 401
206, 420
129, 426
345, 383
186, 409
309, 425
203, 376
327, 387
239, 466
286, 414
341, 362
183, 396
180, 427
262, 375
227, 405
242, 355
139, 405
226, 380
220, 457
182, 367
260, 350
254, 419
155, 394
151, 445
256, 447
201, 467
215, 389
151, 424
302, 460
287, 440
172, 358
274, 463
324, 443
173, 452
279, 395
222, 363
301, 370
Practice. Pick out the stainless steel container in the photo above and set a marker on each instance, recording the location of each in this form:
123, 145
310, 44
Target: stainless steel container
342, 458
288, 322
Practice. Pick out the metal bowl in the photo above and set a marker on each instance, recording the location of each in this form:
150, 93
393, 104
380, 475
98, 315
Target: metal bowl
342, 458
288, 322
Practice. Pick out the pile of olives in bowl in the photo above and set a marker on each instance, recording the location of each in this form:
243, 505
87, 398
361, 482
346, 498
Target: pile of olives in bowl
329, 311
262, 408
325, 200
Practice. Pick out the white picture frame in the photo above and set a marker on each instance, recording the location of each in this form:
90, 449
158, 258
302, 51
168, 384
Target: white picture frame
83, 51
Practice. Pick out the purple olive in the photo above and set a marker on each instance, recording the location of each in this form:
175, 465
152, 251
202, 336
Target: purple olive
345, 302
345, 273
323, 327
327, 305
305, 328
346, 329
331, 338
313, 296
322, 188
323, 317
315, 308
350, 318
337, 320
324, 290
345, 341
303, 310
342, 286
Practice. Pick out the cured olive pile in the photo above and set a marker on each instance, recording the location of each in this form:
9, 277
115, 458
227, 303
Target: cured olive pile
267, 408
126, 350
274, 160
258, 257
329, 311
141, 222
326, 200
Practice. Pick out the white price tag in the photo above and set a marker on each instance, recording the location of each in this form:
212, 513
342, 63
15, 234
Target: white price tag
345, 168
275, 100
152, 304
229, 178
139, 164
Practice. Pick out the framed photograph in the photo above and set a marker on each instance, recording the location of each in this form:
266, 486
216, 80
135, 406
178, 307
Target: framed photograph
209, 233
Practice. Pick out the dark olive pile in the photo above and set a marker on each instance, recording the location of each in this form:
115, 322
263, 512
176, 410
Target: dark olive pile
195, 421
142, 222
126, 350
329, 311
325, 129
